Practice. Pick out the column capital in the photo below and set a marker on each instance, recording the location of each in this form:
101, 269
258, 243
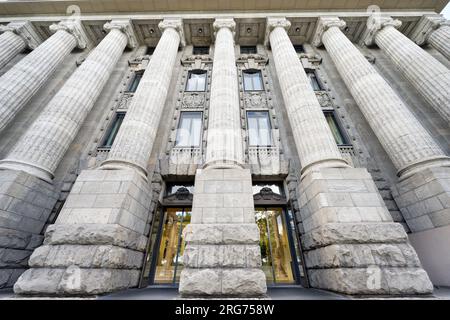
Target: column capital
26, 31
174, 23
75, 28
274, 22
126, 27
228, 23
323, 25
376, 23
426, 26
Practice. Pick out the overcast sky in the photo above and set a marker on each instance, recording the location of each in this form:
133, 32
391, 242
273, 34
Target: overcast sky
446, 11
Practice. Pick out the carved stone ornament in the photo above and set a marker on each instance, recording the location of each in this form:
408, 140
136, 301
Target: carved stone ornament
75, 28
267, 196
176, 24
192, 59
26, 31
376, 23
182, 196
323, 25
193, 101
126, 27
255, 100
426, 26
224, 23
324, 99
125, 101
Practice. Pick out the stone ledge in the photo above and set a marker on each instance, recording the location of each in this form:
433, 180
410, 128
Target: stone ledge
86, 256
74, 281
352, 233
357, 281
95, 234
222, 256
362, 255
222, 234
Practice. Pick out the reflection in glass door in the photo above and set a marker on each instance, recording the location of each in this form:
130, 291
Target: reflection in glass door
276, 250
170, 246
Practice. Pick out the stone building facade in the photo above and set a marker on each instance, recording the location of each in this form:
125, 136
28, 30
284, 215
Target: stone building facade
224, 148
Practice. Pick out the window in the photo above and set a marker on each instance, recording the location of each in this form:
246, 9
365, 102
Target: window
334, 127
135, 83
248, 50
189, 129
253, 80
196, 81
172, 188
259, 128
114, 129
200, 50
150, 51
315, 84
299, 48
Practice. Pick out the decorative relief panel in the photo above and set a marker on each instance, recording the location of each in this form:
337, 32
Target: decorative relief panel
255, 100
193, 100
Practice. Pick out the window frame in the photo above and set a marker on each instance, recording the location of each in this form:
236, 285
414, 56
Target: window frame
136, 74
270, 129
176, 145
242, 49
111, 128
339, 126
200, 48
150, 50
252, 71
319, 83
200, 71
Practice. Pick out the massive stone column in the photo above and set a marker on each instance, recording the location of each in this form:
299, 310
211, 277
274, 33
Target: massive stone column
433, 30
351, 243
98, 241
222, 257
410, 147
16, 36
428, 76
22, 81
41, 148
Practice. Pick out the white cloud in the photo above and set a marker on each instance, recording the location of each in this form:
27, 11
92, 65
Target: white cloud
446, 11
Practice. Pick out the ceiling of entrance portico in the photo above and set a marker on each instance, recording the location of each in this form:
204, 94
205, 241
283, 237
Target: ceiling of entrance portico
22, 7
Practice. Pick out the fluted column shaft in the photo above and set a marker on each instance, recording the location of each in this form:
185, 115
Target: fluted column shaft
440, 40
428, 76
224, 141
22, 81
406, 142
315, 143
11, 45
43, 145
134, 142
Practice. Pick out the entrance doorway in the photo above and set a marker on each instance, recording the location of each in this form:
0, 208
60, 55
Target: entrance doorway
280, 252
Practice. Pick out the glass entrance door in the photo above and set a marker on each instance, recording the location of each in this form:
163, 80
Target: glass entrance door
169, 247
278, 252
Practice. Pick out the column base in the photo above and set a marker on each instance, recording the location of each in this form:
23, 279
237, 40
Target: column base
424, 198
222, 257
351, 243
97, 244
26, 203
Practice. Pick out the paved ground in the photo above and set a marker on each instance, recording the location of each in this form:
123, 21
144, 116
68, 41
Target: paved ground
281, 293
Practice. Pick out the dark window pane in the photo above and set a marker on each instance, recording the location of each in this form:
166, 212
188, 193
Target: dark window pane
259, 128
135, 83
112, 133
275, 187
314, 81
150, 50
253, 80
200, 50
189, 129
299, 48
248, 50
196, 81
334, 127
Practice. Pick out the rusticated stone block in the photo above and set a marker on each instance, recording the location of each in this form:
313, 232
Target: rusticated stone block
74, 281
372, 281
